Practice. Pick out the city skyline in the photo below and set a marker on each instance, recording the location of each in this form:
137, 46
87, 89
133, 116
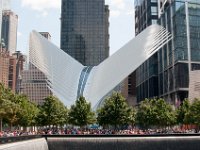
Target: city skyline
44, 16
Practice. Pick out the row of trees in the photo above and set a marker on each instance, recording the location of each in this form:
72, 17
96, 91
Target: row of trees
117, 113
17, 110
150, 113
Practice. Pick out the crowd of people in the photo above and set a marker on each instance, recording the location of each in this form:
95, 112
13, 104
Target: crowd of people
76, 131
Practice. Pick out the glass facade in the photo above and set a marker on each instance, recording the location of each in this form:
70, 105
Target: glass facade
181, 18
173, 62
146, 14
84, 30
82, 80
9, 30
194, 23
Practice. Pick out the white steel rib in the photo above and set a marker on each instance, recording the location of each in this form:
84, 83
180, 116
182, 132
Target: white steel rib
68, 79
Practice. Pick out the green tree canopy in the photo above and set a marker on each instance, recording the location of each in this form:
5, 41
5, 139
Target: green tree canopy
193, 116
81, 114
182, 111
155, 112
115, 111
8, 109
52, 112
145, 114
29, 112
3, 98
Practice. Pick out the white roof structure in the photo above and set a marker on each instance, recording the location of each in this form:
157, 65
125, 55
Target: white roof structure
68, 79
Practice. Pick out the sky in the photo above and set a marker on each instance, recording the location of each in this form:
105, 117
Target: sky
44, 16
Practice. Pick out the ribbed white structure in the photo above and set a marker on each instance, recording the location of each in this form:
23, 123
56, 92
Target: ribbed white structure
62, 71
67, 77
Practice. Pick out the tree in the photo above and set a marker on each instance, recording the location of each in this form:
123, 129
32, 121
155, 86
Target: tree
145, 115
3, 107
5, 96
132, 116
16, 109
12, 113
52, 112
29, 112
155, 112
182, 111
81, 114
115, 112
193, 116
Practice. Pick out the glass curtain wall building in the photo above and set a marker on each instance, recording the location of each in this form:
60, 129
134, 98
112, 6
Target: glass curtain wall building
146, 13
4, 5
84, 30
9, 30
166, 73
146, 76
182, 54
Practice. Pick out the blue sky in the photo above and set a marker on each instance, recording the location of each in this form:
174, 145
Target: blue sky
43, 16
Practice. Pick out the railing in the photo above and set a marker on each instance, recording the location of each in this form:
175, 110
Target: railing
5, 140
122, 135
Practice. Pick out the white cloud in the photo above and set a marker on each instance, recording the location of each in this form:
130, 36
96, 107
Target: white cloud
117, 7
41, 5
120, 4
120, 7
114, 13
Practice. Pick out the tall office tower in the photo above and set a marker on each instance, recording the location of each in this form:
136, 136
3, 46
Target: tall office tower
84, 30
166, 74
146, 14
10, 69
34, 83
143, 83
20, 62
9, 30
4, 66
182, 55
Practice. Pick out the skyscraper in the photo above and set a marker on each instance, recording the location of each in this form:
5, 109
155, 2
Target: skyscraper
146, 13
143, 82
9, 30
4, 66
84, 30
166, 74
182, 55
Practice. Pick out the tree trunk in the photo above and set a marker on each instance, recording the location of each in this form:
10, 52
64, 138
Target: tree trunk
25, 129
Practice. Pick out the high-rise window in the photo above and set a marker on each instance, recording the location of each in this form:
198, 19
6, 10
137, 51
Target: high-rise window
84, 30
